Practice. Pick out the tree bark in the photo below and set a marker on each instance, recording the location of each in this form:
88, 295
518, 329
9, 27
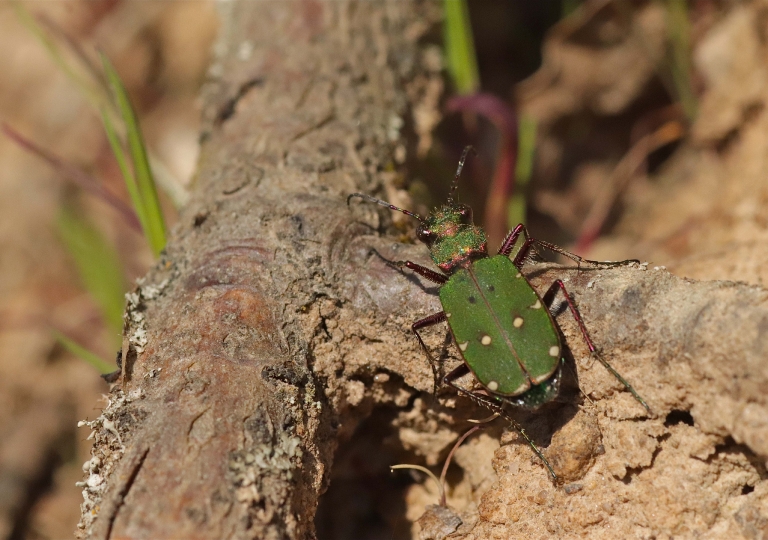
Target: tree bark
273, 323
226, 416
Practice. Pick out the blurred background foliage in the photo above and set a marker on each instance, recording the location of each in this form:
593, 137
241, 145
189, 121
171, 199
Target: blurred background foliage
75, 234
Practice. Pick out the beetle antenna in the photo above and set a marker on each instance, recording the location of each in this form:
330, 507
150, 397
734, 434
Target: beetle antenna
455, 185
384, 203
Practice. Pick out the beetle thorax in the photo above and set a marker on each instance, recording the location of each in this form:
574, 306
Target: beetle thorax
452, 238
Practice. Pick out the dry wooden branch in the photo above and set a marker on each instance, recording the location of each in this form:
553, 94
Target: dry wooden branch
223, 423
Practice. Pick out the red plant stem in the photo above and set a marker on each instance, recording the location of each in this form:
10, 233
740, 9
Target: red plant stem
75, 175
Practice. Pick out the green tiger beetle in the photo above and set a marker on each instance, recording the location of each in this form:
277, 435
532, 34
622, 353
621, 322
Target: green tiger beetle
507, 340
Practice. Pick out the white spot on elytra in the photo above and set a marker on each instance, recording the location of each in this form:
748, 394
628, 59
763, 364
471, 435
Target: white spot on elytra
493, 386
463, 346
486, 339
554, 350
447, 315
518, 322
537, 305
519, 275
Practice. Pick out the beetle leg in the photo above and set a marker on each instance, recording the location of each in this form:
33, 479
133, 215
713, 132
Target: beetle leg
549, 296
525, 250
494, 404
423, 271
432, 320
509, 244
579, 260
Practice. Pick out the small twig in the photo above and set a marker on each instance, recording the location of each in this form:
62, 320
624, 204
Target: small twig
448, 461
426, 471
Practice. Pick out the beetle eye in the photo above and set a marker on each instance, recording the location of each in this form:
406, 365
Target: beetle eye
466, 213
425, 235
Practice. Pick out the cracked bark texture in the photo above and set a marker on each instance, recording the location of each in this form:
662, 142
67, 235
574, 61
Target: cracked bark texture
273, 325
225, 419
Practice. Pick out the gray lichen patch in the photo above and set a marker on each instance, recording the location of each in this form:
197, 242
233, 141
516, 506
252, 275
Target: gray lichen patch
265, 470
108, 435
134, 316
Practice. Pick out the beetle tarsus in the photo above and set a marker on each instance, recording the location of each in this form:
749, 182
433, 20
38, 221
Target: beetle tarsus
549, 297
490, 403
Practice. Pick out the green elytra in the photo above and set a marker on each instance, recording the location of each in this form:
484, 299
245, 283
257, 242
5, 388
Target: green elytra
501, 325
509, 340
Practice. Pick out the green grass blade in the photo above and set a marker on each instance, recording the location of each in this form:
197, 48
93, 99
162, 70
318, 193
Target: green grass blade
98, 266
460, 47
93, 86
144, 181
568, 7
678, 26
526, 150
516, 209
125, 169
78, 350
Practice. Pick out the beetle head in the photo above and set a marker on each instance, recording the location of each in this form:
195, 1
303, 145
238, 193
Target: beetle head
452, 237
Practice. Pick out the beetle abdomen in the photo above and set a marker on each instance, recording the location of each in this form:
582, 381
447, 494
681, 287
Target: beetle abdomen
505, 333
